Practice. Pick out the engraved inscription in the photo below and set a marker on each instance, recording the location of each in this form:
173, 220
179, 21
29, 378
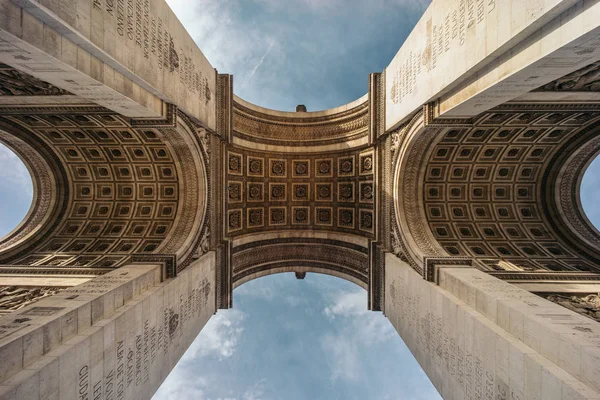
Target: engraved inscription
136, 24
447, 33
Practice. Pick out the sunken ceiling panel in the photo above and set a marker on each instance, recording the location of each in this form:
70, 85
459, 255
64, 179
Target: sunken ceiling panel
282, 191
326, 184
305, 181
124, 193
486, 188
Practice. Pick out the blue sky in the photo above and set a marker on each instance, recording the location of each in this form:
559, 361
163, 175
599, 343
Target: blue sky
290, 339
285, 338
298, 339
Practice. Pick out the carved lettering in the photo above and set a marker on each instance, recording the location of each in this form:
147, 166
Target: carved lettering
138, 23
470, 13
121, 17
480, 11
110, 7
83, 383
130, 367
130, 19
109, 385
146, 26
138, 360
146, 351
97, 390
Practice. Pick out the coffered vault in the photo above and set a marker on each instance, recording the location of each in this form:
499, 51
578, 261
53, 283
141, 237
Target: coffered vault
461, 166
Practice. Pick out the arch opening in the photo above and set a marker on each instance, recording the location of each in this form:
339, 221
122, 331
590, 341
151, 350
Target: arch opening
311, 338
16, 191
589, 192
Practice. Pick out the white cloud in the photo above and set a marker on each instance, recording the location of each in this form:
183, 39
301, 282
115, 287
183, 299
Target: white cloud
219, 338
358, 329
13, 173
282, 53
342, 356
256, 391
367, 325
177, 386
347, 304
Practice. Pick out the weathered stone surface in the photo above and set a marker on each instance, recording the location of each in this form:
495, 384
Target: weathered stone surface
474, 55
127, 56
125, 353
478, 337
464, 160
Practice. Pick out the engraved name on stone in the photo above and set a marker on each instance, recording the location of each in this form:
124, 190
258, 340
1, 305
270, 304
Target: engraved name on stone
149, 45
136, 357
442, 36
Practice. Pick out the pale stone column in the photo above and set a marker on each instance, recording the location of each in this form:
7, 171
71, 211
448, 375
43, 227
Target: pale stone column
478, 337
115, 337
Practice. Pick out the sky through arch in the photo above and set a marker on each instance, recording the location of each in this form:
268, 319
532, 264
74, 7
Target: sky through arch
16, 190
290, 339
590, 192
287, 338
298, 339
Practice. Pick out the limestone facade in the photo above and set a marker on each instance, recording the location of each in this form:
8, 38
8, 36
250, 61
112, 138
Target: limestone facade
450, 192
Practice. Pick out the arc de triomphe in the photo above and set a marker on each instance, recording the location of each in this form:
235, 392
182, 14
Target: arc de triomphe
450, 192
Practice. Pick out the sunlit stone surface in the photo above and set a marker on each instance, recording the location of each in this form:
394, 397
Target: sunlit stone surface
450, 192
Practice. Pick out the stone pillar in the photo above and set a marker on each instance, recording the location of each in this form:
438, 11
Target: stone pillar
115, 337
478, 337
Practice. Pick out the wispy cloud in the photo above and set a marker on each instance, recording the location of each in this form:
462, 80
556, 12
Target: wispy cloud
359, 328
256, 391
313, 52
13, 173
342, 356
219, 338
262, 59
351, 306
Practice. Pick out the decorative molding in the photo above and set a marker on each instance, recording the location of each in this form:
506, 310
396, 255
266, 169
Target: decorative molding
169, 121
50, 270
16, 83
540, 276
225, 106
168, 262
376, 106
376, 292
431, 118
586, 79
13, 298
339, 257
263, 128
432, 264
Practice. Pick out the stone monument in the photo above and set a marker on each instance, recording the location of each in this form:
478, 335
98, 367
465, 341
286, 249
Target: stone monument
450, 192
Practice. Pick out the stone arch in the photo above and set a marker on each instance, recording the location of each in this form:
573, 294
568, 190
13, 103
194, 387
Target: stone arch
301, 270
341, 255
411, 238
500, 188
300, 192
107, 187
49, 189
